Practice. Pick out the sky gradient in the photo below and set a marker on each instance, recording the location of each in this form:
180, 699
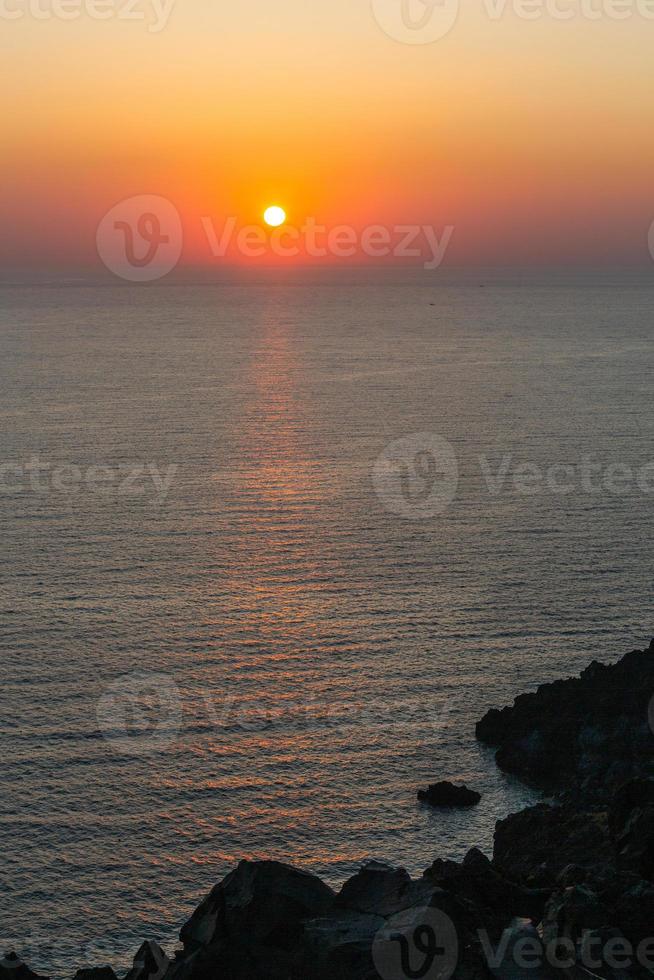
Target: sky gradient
533, 139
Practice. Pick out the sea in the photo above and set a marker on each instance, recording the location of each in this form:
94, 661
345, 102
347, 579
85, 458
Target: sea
270, 549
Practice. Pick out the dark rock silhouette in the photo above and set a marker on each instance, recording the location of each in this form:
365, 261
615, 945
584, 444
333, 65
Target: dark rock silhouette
631, 823
150, 963
534, 846
96, 973
449, 795
251, 923
578, 868
589, 734
341, 942
478, 884
13, 968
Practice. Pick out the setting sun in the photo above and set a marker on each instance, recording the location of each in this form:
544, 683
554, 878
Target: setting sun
274, 216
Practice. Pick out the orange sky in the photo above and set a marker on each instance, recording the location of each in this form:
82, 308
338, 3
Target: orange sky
532, 138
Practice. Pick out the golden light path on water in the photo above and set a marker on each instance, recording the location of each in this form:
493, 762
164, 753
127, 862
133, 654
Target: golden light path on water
330, 656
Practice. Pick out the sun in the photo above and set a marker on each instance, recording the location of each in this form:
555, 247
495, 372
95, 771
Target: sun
274, 216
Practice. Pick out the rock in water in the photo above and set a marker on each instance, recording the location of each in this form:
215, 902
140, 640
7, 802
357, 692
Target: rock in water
447, 794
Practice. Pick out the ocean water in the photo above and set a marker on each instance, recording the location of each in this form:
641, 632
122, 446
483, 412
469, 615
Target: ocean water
362, 545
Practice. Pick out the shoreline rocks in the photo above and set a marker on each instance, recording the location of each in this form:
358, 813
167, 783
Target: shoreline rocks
578, 869
589, 734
